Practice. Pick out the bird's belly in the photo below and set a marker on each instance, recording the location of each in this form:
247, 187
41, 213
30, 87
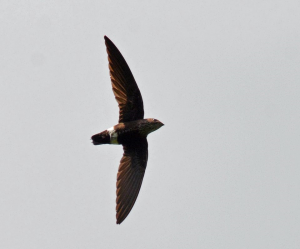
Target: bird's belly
119, 135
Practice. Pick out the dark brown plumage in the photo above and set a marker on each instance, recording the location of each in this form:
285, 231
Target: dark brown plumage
131, 132
130, 176
124, 86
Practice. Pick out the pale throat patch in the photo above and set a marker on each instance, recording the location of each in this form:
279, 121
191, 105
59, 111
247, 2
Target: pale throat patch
113, 135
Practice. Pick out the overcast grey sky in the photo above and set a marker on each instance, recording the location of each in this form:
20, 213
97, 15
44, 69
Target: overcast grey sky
224, 78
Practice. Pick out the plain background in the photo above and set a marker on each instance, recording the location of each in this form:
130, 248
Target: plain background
224, 171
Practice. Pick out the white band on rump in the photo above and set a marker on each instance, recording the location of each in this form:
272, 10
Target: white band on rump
113, 135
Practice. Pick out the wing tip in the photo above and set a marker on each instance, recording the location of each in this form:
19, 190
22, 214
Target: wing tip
109, 45
107, 39
120, 220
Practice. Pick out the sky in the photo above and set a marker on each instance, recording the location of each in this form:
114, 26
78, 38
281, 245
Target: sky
223, 76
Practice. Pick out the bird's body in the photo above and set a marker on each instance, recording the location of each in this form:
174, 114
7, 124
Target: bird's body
131, 132
123, 133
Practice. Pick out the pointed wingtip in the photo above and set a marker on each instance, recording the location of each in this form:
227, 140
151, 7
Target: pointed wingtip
108, 42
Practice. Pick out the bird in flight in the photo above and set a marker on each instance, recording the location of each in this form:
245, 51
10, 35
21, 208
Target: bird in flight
131, 132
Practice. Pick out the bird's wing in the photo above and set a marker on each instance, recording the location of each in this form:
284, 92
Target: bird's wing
130, 176
124, 86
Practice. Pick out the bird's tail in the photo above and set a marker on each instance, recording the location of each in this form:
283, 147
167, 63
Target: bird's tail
101, 138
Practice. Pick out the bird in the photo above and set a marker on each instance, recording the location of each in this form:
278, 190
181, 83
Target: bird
131, 132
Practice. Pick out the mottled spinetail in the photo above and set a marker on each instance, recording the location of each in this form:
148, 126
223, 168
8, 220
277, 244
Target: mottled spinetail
131, 132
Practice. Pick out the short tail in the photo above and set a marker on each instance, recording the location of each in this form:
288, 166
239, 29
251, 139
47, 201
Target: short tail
101, 138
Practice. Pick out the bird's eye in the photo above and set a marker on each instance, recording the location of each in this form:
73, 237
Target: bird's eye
154, 120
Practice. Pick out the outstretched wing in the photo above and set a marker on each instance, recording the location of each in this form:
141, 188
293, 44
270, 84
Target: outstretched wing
130, 176
124, 86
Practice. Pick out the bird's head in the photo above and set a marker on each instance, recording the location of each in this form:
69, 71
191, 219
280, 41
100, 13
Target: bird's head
153, 124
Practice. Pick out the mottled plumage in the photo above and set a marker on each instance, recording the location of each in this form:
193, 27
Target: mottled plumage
131, 132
